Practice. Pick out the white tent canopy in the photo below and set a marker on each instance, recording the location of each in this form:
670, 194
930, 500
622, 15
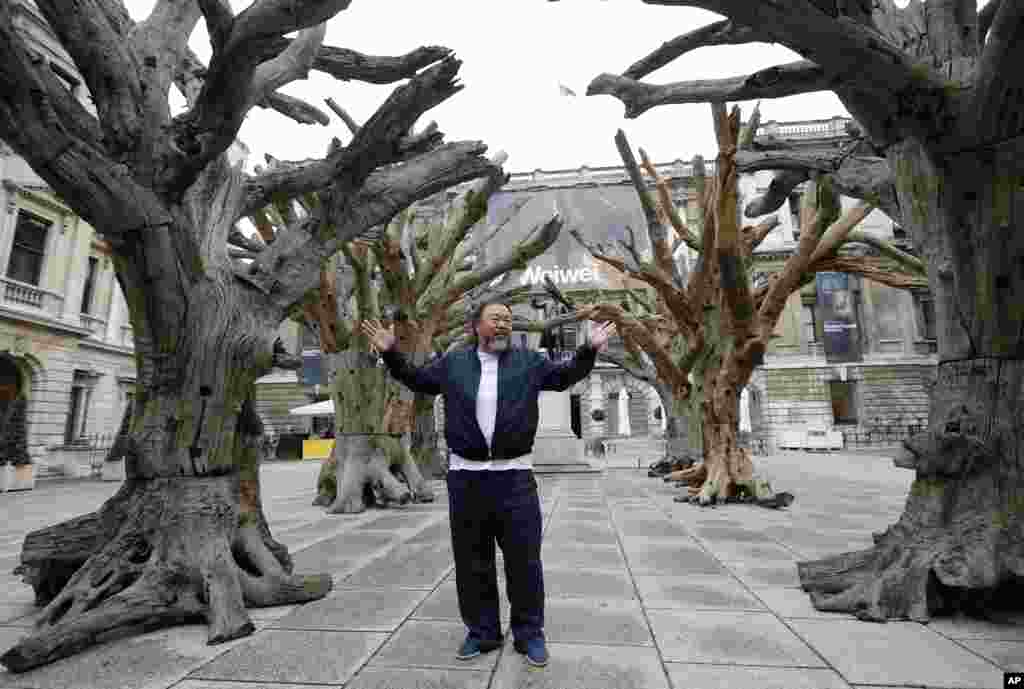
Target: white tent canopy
325, 408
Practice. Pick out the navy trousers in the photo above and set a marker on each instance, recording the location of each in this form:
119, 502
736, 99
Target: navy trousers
488, 507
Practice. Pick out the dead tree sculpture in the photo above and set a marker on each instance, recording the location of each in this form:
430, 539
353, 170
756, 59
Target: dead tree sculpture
420, 275
712, 327
185, 537
936, 87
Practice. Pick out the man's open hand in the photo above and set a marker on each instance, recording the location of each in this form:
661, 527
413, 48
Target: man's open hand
382, 339
600, 334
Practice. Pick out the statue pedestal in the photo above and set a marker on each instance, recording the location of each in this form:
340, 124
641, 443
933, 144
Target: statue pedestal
556, 449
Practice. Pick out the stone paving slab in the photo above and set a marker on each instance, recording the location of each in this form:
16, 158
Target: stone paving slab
671, 558
791, 601
443, 604
339, 553
404, 566
583, 666
961, 627
897, 653
577, 620
605, 604
585, 533
355, 610
294, 656
590, 583
695, 592
582, 556
1008, 655
759, 574
419, 678
148, 661
731, 551
429, 644
214, 684
393, 523
706, 676
729, 637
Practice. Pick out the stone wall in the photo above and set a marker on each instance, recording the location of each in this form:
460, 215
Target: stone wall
890, 401
273, 400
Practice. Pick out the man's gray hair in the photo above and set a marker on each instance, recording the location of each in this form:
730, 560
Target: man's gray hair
478, 310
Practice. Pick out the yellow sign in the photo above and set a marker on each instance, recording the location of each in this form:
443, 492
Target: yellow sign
317, 448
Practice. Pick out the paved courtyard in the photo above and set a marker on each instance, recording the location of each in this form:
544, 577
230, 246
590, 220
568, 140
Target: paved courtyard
643, 593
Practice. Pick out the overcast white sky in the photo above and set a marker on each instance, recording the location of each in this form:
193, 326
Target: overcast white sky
515, 53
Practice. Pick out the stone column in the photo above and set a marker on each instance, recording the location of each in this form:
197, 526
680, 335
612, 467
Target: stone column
624, 426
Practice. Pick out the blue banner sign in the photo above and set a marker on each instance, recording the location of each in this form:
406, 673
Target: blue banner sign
839, 317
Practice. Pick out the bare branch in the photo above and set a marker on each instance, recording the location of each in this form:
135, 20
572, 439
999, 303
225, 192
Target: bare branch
288, 269
345, 64
238, 239
871, 268
782, 184
723, 32
837, 233
642, 335
674, 297
294, 108
240, 44
666, 206
819, 208
999, 79
93, 32
907, 262
516, 259
343, 114
647, 374
985, 17
290, 65
774, 82
861, 177
753, 236
737, 298
381, 140
163, 38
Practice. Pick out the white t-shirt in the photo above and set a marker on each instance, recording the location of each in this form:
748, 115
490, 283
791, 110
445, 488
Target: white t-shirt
486, 415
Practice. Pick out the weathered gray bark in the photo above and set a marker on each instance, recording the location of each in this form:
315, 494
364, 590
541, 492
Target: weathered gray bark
185, 536
942, 106
424, 441
682, 426
959, 544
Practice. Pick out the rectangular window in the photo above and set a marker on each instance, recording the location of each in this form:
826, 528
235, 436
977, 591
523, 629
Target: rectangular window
794, 212
90, 285
78, 412
310, 338
925, 307
28, 249
844, 402
809, 322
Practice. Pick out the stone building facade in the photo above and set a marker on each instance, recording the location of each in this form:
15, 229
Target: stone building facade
875, 401
797, 393
65, 332
65, 338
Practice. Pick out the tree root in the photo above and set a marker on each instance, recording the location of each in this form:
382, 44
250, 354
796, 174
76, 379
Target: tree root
958, 547
177, 555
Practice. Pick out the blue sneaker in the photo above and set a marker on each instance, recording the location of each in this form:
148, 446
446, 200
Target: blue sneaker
472, 647
535, 649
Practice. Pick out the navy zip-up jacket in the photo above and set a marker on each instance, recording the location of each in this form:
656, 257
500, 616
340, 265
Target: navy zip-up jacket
522, 374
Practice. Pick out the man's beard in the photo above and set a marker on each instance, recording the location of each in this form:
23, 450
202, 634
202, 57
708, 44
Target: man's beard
498, 343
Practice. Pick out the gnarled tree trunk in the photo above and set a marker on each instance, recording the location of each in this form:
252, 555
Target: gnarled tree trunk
370, 452
682, 426
423, 442
185, 536
959, 543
